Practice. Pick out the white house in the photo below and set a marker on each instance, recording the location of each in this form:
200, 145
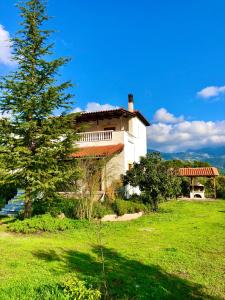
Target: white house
119, 134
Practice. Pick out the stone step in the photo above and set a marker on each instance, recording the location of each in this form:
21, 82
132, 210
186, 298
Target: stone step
17, 197
14, 206
19, 202
15, 203
11, 209
8, 214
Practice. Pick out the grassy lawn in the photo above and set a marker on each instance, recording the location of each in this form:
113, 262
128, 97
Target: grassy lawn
177, 253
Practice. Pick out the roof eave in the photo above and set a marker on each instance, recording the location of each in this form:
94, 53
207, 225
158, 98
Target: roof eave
87, 116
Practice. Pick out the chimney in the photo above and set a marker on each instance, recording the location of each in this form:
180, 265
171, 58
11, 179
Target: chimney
130, 103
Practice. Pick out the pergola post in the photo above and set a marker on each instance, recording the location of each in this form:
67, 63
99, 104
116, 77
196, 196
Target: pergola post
192, 184
214, 186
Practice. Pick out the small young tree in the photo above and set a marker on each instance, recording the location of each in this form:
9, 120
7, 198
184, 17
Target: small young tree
89, 184
35, 145
93, 179
153, 177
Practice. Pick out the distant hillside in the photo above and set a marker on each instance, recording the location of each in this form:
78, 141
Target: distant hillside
214, 156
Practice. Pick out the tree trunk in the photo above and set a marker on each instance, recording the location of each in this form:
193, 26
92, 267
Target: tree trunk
28, 204
155, 204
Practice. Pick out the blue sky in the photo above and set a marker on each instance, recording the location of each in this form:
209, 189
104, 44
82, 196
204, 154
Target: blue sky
164, 52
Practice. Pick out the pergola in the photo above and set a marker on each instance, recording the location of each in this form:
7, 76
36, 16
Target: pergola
193, 173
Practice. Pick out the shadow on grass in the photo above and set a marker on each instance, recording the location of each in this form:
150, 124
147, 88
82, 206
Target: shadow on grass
128, 278
6, 220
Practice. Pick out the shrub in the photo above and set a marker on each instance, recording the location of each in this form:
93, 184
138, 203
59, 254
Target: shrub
55, 206
115, 190
41, 223
122, 207
78, 289
208, 184
2, 202
221, 187
68, 206
101, 209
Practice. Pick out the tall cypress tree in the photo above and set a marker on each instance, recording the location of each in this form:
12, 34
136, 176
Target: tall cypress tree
35, 146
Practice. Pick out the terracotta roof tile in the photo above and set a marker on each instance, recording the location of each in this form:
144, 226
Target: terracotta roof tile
98, 151
201, 172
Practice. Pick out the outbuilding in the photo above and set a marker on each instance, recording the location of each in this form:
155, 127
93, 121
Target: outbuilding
197, 190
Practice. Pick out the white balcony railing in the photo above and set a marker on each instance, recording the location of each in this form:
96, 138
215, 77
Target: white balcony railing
95, 136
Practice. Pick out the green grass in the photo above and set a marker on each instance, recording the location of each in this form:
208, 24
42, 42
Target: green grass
177, 253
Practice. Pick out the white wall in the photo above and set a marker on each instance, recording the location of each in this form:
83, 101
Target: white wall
135, 147
114, 168
135, 144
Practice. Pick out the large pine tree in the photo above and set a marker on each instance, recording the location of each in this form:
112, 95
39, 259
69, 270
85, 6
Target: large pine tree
35, 146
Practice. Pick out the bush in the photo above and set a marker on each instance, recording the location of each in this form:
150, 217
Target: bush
101, 209
41, 223
2, 202
77, 208
55, 206
116, 189
146, 199
221, 187
122, 207
78, 289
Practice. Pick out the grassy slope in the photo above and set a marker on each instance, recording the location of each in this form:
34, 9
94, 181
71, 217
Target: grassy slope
175, 254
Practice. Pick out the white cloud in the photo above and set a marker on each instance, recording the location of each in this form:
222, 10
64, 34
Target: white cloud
5, 48
211, 91
76, 110
5, 114
94, 106
175, 137
163, 116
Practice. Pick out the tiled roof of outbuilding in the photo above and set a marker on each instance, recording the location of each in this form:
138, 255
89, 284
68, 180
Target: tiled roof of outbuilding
198, 172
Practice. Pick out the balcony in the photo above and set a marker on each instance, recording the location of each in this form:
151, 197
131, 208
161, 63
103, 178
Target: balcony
101, 138
95, 136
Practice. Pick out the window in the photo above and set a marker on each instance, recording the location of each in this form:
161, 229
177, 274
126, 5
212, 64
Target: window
109, 128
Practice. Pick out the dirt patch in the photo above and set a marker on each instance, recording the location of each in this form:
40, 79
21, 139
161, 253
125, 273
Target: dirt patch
5, 234
126, 217
197, 199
